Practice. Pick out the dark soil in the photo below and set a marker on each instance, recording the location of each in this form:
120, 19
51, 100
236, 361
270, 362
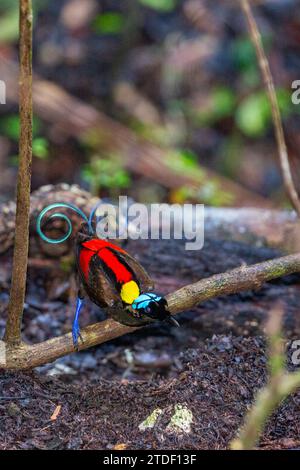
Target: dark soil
212, 365
216, 382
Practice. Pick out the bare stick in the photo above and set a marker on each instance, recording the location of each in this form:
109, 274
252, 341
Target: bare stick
270, 89
18, 285
246, 277
279, 386
267, 400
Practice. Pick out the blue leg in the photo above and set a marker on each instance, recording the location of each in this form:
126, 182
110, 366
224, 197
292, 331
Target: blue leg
76, 328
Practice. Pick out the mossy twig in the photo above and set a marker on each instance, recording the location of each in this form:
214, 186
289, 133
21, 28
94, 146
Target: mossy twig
244, 278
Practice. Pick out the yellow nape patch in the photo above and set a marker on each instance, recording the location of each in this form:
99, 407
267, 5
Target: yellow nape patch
129, 292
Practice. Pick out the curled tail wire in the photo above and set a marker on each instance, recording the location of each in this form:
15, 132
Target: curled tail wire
57, 205
61, 216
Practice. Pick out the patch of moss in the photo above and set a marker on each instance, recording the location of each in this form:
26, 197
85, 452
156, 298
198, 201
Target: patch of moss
150, 421
181, 420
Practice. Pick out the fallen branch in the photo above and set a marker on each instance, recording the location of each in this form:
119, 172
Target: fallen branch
271, 93
244, 278
273, 228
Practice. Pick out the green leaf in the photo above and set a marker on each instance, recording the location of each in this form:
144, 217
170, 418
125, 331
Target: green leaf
243, 53
40, 148
284, 101
188, 158
220, 104
224, 101
106, 173
160, 5
9, 18
9, 25
182, 161
121, 179
109, 23
253, 115
10, 126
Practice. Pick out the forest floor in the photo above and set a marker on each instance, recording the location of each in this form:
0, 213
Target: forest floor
201, 377
213, 365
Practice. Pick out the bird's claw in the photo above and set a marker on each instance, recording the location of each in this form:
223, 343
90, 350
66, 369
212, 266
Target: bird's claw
76, 335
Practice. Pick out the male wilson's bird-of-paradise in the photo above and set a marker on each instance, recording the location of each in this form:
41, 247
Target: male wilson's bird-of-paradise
108, 275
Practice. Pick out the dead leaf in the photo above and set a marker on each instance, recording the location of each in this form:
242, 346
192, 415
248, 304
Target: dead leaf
55, 413
120, 447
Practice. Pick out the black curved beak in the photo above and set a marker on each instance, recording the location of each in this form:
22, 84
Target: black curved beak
172, 321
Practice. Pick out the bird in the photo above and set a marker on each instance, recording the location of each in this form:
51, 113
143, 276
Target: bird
109, 276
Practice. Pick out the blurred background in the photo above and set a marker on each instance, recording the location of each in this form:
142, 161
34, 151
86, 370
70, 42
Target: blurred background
158, 99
